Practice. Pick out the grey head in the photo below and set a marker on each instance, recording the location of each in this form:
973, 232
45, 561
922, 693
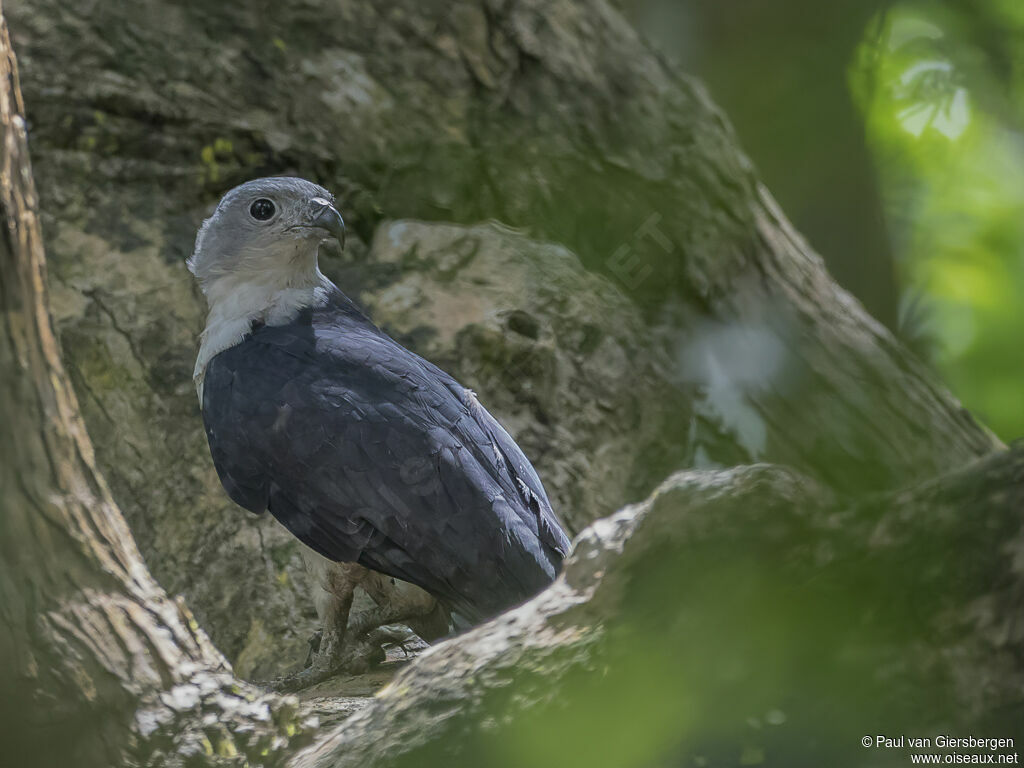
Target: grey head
271, 225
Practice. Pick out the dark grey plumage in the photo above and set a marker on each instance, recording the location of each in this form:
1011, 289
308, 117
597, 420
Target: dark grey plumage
370, 454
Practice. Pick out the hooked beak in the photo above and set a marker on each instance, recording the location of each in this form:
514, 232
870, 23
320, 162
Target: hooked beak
327, 218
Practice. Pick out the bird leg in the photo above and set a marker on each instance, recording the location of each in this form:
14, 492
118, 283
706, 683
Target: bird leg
399, 602
391, 617
352, 642
314, 647
334, 585
327, 653
335, 624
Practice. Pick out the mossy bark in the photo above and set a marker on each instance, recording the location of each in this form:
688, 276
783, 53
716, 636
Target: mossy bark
659, 313
99, 665
682, 322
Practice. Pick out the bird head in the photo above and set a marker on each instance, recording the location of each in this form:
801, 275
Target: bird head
270, 226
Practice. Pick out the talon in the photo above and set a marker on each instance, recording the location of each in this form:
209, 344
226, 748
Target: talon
394, 637
298, 681
314, 647
333, 659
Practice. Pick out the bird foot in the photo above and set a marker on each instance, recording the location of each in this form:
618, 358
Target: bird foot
397, 636
314, 648
327, 660
298, 681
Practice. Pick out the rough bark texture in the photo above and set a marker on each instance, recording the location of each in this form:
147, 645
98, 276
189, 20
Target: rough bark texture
712, 336
706, 333
918, 646
98, 664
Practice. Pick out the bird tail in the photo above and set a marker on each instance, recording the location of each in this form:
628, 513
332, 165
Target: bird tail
461, 623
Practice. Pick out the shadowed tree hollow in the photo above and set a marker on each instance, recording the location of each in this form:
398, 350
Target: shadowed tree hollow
652, 324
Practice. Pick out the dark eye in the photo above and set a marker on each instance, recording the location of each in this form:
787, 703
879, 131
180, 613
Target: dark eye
262, 209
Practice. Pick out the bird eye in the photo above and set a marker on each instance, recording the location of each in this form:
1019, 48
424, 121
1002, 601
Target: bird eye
262, 209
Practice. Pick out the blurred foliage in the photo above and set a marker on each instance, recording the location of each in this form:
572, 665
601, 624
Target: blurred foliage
782, 644
779, 73
891, 133
941, 99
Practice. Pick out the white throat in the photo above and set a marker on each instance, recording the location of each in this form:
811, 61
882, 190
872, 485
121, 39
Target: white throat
237, 300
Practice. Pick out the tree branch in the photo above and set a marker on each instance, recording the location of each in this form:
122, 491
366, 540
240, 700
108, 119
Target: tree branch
98, 663
923, 641
728, 581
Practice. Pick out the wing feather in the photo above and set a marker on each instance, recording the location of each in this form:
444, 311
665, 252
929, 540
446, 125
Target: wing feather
370, 454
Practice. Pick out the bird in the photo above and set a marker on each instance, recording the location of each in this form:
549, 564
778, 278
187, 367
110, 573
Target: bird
391, 473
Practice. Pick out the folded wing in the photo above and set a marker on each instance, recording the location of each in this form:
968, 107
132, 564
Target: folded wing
370, 454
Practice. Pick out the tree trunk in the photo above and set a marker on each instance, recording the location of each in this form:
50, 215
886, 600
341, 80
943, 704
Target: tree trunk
879, 635
99, 665
655, 311
714, 329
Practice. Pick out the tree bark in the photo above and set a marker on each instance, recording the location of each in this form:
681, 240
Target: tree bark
106, 669
881, 636
99, 665
692, 328
654, 312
